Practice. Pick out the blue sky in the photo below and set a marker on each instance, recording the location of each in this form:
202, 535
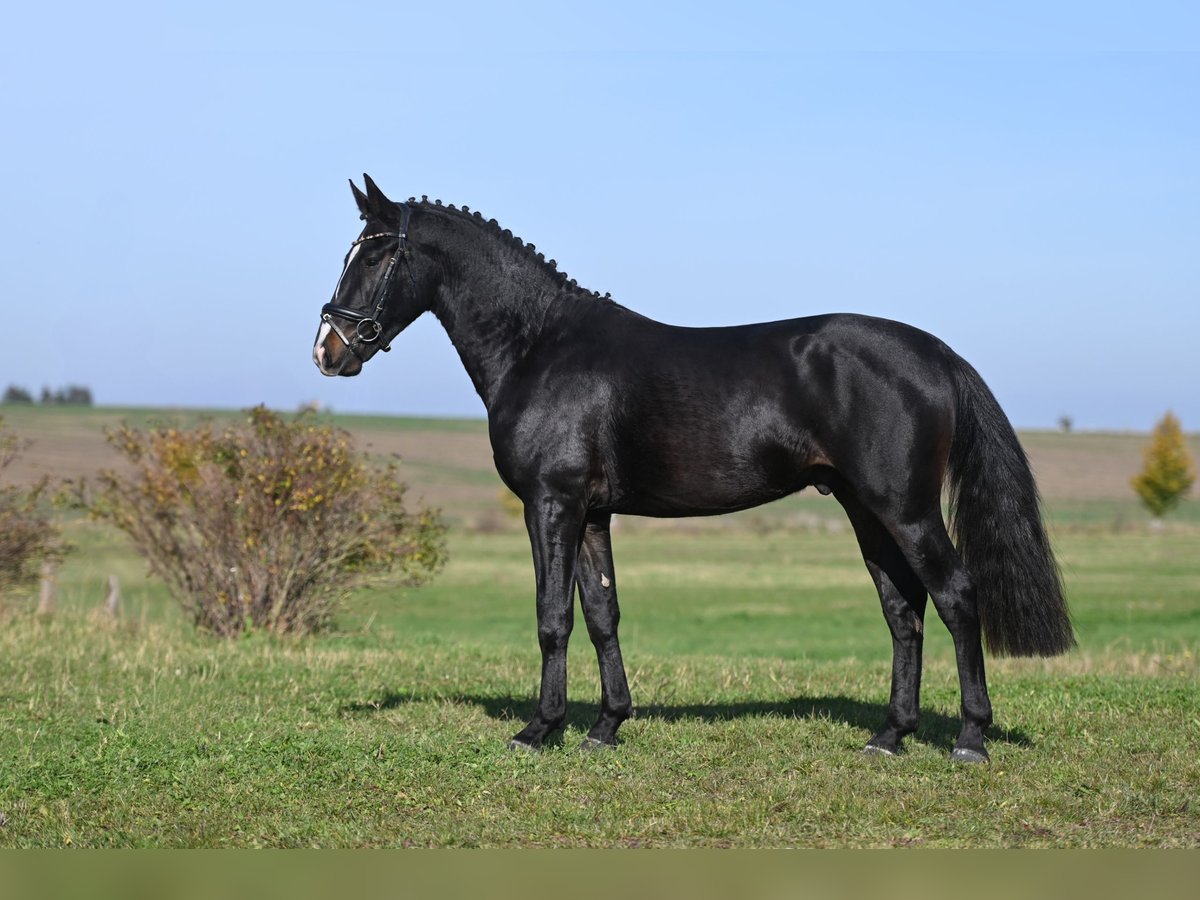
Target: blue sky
1025, 184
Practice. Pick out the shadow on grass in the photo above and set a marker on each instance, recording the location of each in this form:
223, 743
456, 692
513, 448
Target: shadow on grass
936, 728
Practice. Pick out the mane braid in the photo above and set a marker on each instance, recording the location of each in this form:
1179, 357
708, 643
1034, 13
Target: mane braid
511, 240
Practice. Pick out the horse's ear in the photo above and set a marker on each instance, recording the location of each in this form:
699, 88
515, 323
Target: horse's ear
373, 191
359, 197
378, 205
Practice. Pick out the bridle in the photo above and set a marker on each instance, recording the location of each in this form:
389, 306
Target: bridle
367, 327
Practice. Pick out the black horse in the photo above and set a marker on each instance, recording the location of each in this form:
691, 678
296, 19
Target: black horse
595, 410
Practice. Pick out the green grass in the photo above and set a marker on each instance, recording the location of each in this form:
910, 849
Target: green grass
759, 666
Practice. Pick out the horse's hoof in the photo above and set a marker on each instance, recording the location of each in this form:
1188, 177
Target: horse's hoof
522, 747
967, 755
876, 750
592, 745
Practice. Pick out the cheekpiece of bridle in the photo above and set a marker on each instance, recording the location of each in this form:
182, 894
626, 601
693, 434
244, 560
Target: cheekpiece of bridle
367, 327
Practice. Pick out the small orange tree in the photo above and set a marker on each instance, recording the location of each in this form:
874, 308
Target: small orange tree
267, 524
27, 535
1168, 473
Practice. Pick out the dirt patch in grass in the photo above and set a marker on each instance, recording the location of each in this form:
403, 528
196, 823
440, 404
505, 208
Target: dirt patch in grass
1088, 466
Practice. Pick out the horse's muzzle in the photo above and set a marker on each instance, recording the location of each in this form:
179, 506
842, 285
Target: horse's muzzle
331, 355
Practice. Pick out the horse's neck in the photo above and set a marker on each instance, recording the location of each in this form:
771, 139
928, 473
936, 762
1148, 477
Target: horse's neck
494, 301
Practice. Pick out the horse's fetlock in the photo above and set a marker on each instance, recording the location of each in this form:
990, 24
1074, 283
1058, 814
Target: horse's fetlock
620, 712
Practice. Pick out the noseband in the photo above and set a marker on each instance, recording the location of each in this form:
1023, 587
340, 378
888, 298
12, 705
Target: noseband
367, 327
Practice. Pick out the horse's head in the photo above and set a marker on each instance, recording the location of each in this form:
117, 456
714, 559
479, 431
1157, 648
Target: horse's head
377, 296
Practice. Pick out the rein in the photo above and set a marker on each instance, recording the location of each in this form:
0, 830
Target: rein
367, 327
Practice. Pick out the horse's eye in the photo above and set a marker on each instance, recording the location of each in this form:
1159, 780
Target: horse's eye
371, 262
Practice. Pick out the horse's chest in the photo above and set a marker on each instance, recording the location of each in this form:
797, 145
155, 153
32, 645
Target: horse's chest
552, 453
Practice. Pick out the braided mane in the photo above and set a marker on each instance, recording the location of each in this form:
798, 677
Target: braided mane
510, 240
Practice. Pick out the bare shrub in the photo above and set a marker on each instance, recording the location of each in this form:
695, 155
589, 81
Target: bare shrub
266, 524
28, 537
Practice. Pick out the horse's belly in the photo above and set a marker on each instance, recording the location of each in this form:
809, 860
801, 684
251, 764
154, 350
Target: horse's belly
705, 483
661, 505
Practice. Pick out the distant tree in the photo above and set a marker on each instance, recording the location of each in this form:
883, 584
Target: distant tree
76, 395
71, 395
1065, 423
1169, 472
15, 394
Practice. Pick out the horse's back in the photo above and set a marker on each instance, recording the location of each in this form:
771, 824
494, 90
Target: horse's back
815, 371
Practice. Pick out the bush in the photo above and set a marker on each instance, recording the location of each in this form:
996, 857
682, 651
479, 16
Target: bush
27, 536
1168, 473
267, 524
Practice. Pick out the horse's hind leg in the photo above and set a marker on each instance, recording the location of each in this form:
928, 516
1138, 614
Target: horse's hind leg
931, 554
598, 597
903, 598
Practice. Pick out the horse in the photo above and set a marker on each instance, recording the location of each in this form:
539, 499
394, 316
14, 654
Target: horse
595, 410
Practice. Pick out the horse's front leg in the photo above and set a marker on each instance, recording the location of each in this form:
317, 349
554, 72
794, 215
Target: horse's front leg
555, 530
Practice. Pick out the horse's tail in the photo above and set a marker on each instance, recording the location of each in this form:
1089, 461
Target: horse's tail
996, 518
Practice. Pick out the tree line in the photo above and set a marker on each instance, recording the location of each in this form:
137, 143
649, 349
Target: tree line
71, 395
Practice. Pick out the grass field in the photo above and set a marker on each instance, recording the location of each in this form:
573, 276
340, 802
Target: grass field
758, 661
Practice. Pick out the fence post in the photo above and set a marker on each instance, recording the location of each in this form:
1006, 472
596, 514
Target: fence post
46, 591
113, 602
